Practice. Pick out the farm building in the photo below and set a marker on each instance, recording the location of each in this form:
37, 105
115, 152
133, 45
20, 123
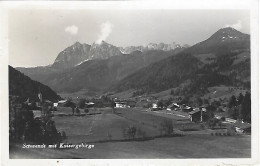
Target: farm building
197, 114
173, 107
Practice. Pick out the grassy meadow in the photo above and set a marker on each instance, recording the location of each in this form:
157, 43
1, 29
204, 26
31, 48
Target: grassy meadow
104, 129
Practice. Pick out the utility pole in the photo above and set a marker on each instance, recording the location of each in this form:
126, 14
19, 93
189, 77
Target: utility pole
40, 97
201, 119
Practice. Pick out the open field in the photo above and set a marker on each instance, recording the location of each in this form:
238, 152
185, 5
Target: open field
154, 119
106, 125
98, 127
198, 146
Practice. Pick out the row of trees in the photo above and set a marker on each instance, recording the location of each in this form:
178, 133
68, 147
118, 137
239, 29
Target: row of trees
240, 107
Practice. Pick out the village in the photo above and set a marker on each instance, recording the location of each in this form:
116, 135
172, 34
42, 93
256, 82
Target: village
203, 114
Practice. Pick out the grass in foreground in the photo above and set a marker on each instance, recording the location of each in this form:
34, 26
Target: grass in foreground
199, 146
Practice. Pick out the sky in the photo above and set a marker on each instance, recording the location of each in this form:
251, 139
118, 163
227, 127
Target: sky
37, 36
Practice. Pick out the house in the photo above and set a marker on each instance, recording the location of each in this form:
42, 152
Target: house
173, 106
121, 105
242, 127
197, 114
154, 105
187, 109
89, 104
37, 113
229, 120
62, 103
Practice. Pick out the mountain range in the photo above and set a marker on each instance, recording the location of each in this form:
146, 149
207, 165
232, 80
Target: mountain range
153, 46
97, 67
222, 59
79, 53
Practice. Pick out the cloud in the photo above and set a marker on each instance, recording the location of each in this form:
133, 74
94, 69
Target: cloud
237, 26
106, 29
73, 29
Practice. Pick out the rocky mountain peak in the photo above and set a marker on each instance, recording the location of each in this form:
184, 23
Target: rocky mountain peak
228, 33
153, 46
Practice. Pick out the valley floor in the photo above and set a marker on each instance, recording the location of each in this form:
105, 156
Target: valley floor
105, 129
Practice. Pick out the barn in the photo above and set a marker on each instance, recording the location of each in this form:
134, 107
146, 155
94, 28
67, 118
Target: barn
197, 114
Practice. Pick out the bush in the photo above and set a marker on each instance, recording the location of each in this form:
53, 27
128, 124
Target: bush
202, 126
231, 130
54, 109
223, 118
77, 110
130, 132
63, 135
167, 127
86, 110
81, 103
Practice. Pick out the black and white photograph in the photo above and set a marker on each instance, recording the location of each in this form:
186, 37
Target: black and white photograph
130, 83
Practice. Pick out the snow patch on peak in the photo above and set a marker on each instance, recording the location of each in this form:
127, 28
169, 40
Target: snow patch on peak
82, 62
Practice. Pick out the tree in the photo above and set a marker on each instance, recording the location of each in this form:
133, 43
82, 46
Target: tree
160, 104
232, 102
28, 128
219, 122
208, 115
168, 102
77, 110
223, 118
205, 101
213, 122
211, 108
240, 98
81, 103
245, 108
71, 105
220, 110
130, 132
113, 104
199, 101
63, 135
216, 104
233, 112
